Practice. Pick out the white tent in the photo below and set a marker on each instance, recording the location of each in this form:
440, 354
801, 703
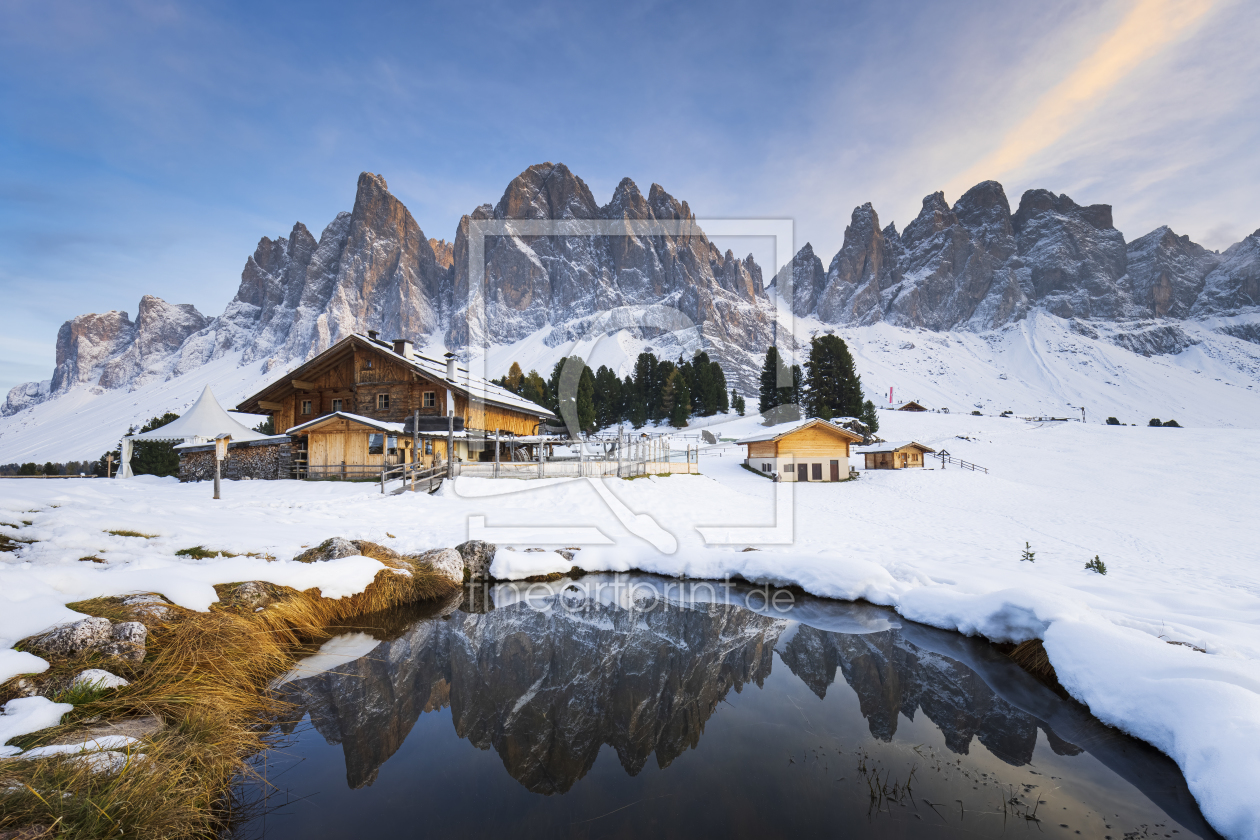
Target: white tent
202, 423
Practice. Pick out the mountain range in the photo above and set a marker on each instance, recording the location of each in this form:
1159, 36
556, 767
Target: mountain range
975, 267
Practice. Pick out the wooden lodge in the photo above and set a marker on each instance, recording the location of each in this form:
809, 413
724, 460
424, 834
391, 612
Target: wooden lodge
345, 409
896, 456
812, 450
911, 406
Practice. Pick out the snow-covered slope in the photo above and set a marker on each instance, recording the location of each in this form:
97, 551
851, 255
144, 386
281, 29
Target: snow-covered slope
1042, 365
87, 422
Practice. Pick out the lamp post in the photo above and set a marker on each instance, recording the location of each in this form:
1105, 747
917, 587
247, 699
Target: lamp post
220, 452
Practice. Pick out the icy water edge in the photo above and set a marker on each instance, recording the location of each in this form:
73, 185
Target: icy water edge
633, 706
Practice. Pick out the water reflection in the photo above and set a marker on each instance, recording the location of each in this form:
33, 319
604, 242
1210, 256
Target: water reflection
547, 681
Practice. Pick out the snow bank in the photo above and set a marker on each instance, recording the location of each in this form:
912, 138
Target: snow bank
1168, 510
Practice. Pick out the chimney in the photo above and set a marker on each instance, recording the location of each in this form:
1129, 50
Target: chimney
450, 366
404, 348
372, 334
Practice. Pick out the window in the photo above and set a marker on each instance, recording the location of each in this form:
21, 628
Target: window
367, 363
336, 405
306, 406
816, 472
376, 444
428, 447
382, 402
765, 468
430, 399
392, 443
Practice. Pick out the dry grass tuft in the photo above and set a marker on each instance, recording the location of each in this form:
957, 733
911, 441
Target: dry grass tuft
205, 676
123, 532
1032, 657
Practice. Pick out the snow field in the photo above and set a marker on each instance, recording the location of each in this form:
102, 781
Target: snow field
1168, 510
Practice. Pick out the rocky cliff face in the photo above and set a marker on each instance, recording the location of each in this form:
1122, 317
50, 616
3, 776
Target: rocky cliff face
109, 350
974, 266
570, 284
978, 266
374, 268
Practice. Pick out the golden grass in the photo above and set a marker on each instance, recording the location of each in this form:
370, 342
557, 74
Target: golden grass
123, 532
205, 676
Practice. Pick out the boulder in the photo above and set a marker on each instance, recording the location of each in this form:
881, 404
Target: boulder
477, 555
98, 678
252, 594
447, 562
90, 633
149, 606
127, 641
330, 549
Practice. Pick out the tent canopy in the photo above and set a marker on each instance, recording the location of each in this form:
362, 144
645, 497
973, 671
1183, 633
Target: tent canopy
205, 421
202, 423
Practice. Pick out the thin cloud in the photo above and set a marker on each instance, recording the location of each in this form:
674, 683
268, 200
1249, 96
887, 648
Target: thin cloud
1148, 28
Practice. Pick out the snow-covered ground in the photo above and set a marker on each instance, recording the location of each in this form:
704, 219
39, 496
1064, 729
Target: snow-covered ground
1170, 512
1036, 366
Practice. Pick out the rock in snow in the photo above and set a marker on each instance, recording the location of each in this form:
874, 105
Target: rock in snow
125, 640
98, 678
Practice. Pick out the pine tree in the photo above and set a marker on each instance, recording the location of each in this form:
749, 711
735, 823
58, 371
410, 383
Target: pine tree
701, 384
869, 416
587, 421
832, 381
573, 393
634, 406
767, 392
676, 398
1028, 554
155, 457
737, 402
717, 388
664, 369
534, 389
608, 397
514, 378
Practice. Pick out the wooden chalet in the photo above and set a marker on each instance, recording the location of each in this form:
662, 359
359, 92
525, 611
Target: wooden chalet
896, 456
911, 406
812, 450
345, 409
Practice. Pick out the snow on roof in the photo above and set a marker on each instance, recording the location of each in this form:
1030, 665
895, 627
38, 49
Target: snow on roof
434, 369
464, 381
893, 446
205, 421
383, 425
780, 431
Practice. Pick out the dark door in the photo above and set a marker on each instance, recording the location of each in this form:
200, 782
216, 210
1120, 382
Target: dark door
835, 470
802, 472
817, 472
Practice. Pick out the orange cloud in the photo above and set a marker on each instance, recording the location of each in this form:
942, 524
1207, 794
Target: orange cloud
1148, 27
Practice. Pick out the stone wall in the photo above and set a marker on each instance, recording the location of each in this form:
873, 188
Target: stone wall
266, 459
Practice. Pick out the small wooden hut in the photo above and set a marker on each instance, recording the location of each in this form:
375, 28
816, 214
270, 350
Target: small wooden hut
811, 450
896, 456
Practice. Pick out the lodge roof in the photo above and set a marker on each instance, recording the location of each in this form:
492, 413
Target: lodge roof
894, 446
796, 427
464, 383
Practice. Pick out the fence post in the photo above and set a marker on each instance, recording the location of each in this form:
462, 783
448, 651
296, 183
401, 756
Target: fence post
496, 453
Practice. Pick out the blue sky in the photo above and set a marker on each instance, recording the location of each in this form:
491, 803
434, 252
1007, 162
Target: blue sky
146, 146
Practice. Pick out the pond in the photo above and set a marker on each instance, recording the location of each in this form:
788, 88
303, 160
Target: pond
637, 706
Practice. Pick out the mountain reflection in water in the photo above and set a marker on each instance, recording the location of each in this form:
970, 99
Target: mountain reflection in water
546, 684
